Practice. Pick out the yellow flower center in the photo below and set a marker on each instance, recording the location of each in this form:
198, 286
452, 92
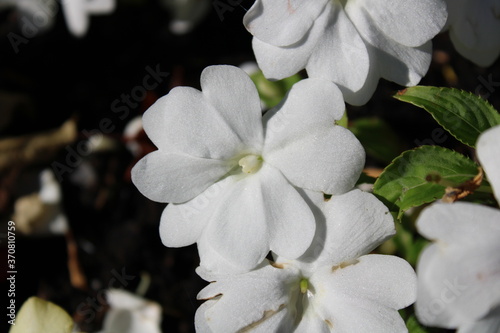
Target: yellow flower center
250, 163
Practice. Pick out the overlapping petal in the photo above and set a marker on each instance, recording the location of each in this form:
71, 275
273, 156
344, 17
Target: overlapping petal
183, 224
182, 176
232, 93
270, 299
303, 141
475, 29
258, 214
372, 289
266, 289
407, 22
353, 43
202, 124
340, 54
459, 278
282, 23
349, 226
397, 62
280, 62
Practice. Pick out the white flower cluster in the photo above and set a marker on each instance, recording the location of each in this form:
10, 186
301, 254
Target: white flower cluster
248, 187
459, 274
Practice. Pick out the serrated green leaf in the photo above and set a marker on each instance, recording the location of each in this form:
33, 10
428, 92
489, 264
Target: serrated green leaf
461, 113
421, 175
378, 138
37, 315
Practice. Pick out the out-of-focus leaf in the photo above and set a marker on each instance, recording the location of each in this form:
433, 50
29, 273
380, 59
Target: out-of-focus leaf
37, 315
378, 138
272, 92
414, 326
461, 113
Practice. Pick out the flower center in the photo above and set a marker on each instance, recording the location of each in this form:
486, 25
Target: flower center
299, 299
250, 163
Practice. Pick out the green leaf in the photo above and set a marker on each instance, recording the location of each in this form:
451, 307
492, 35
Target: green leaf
414, 326
272, 92
461, 113
37, 315
378, 138
421, 175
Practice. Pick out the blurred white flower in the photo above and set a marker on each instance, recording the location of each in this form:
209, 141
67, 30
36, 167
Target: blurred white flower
351, 42
475, 29
130, 313
186, 14
41, 213
231, 176
333, 287
77, 12
38, 15
459, 273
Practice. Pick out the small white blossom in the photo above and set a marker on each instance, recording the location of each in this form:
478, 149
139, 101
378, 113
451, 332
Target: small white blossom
333, 287
350, 42
459, 274
475, 29
130, 313
232, 176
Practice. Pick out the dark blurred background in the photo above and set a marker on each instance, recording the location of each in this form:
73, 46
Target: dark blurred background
55, 77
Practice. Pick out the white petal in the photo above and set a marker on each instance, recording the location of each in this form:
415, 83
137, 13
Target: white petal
490, 324
182, 224
253, 216
459, 275
174, 177
100, 6
340, 54
186, 121
402, 64
475, 30
280, 62
371, 291
408, 22
257, 298
200, 322
349, 225
305, 145
459, 222
233, 94
291, 221
282, 23
76, 17
314, 323
488, 152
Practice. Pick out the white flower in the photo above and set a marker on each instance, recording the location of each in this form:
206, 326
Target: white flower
459, 274
77, 12
233, 175
350, 42
333, 287
130, 313
475, 29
